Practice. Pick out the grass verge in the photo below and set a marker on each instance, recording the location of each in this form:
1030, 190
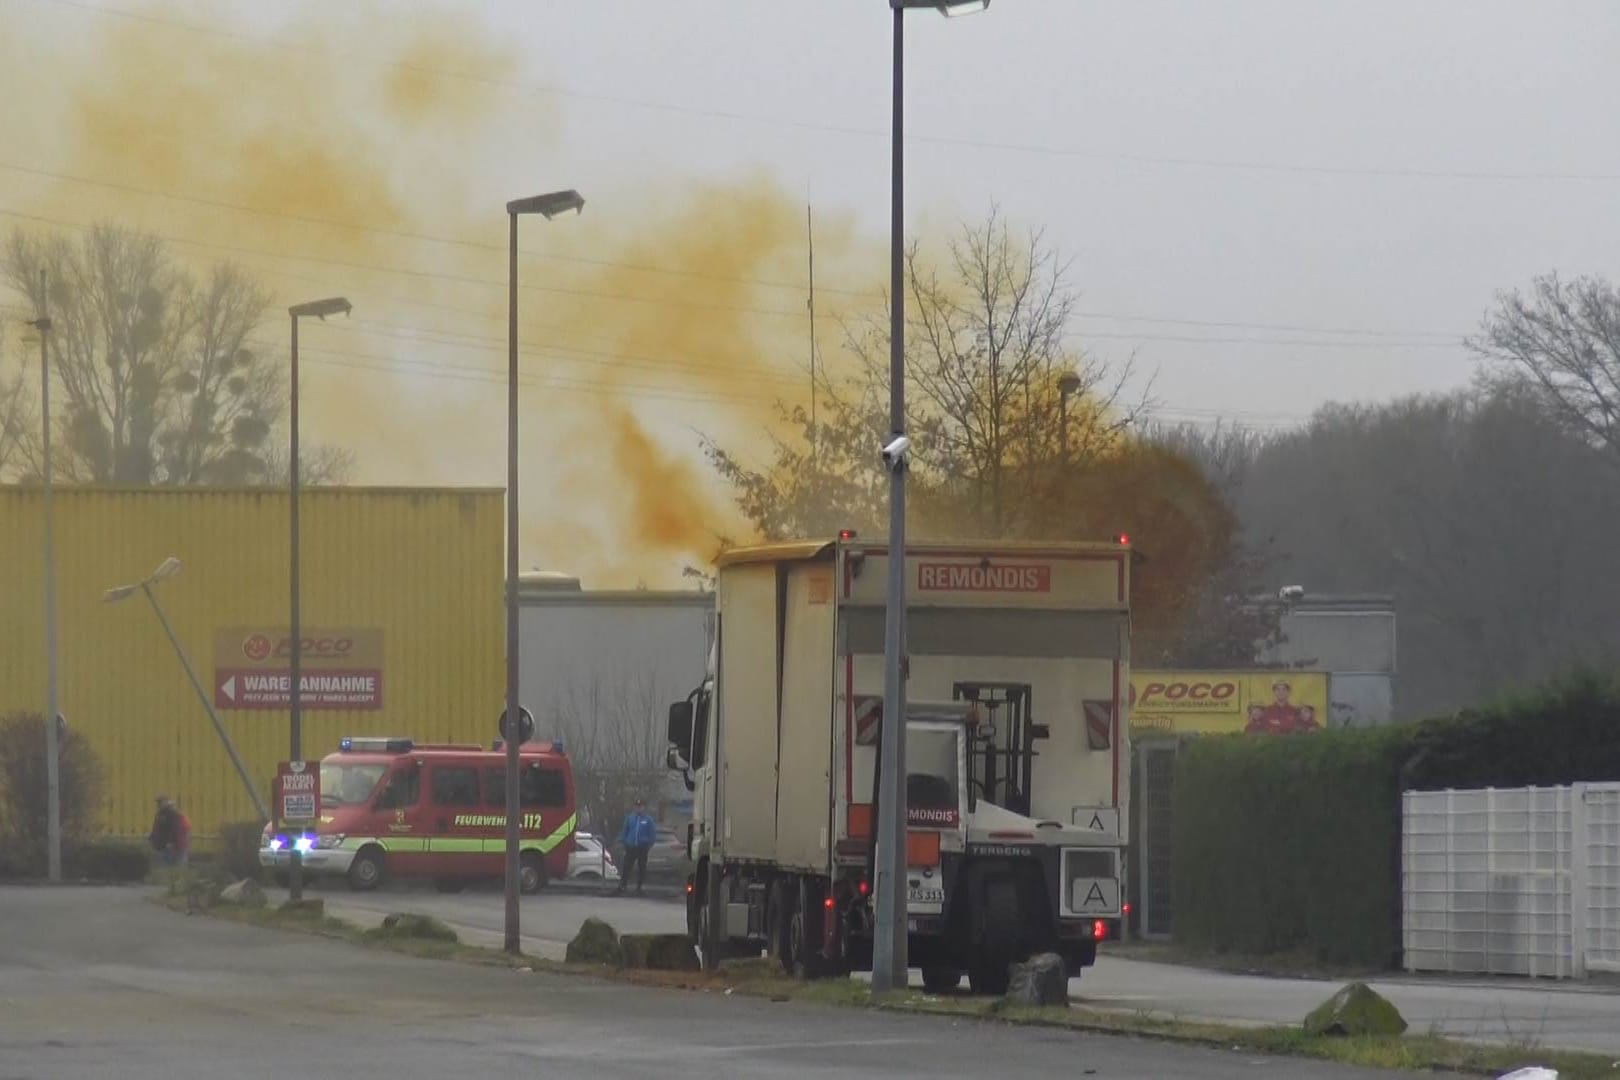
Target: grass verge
763, 978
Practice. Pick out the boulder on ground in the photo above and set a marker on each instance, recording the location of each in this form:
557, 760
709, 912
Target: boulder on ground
246, 893
421, 927
596, 943
659, 952
1041, 980
1357, 1009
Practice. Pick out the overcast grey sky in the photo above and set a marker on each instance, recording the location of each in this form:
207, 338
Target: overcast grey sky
1272, 204
1370, 166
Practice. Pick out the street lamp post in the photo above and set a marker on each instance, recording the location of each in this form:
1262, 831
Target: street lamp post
1068, 386
319, 309
547, 206
889, 960
169, 568
53, 733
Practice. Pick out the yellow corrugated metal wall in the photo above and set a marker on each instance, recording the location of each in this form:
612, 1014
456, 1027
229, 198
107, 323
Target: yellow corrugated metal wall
425, 566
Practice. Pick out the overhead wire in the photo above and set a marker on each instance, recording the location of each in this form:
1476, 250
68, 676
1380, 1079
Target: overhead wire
610, 263
441, 276
956, 141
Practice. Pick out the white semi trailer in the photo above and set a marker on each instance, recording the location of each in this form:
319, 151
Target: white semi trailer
1016, 755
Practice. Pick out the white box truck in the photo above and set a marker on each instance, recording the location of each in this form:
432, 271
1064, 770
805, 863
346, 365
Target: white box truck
1016, 755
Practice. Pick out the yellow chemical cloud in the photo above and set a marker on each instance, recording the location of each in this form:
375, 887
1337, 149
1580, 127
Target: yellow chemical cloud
347, 152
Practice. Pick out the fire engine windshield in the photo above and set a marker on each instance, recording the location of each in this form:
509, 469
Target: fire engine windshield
349, 785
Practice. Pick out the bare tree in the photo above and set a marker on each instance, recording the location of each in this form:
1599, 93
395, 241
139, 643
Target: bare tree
1225, 452
988, 347
16, 413
1490, 522
987, 351
612, 729
1008, 447
158, 381
1561, 344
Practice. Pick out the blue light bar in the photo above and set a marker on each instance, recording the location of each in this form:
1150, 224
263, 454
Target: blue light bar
379, 745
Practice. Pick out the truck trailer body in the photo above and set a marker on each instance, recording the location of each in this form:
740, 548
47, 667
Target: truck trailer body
1016, 779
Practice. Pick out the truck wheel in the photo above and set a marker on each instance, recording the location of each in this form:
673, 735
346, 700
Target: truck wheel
941, 980
694, 900
709, 915
532, 873
779, 925
366, 872
998, 947
804, 933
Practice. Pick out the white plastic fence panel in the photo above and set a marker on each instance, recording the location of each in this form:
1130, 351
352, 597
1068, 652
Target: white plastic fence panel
1487, 881
1598, 805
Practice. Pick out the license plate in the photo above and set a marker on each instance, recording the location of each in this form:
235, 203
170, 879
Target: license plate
926, 896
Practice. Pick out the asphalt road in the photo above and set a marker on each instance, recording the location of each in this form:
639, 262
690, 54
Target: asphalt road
103, 983
1575, 1016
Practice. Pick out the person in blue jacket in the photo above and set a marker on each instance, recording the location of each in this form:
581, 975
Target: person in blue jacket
637, 837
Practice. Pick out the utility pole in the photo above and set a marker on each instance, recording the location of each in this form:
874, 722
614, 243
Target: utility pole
295, 704
890, 963
320, 309
810, 237
53, 734
889, 960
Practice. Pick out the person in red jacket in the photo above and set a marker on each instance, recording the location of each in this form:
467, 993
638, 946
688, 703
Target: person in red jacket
171, 833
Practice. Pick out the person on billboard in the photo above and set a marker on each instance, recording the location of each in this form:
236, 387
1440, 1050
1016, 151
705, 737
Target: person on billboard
1307, 719
1282, 715
1257, 720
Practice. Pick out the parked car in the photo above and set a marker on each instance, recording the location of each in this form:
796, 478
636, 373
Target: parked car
590, 860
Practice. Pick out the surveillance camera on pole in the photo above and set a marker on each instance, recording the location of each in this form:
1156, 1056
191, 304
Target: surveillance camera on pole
897, 454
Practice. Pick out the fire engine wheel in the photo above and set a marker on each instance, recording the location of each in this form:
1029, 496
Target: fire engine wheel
366, 872
532, 873
941, 980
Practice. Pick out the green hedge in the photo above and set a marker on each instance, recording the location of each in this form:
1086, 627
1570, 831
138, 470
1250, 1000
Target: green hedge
1284, 845
1563, 733
1292, 844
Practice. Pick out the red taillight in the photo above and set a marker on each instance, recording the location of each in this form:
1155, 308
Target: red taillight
866, 887
690, 888
846, 534
1126, 909
827, 903
1099, 929
1123, 538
